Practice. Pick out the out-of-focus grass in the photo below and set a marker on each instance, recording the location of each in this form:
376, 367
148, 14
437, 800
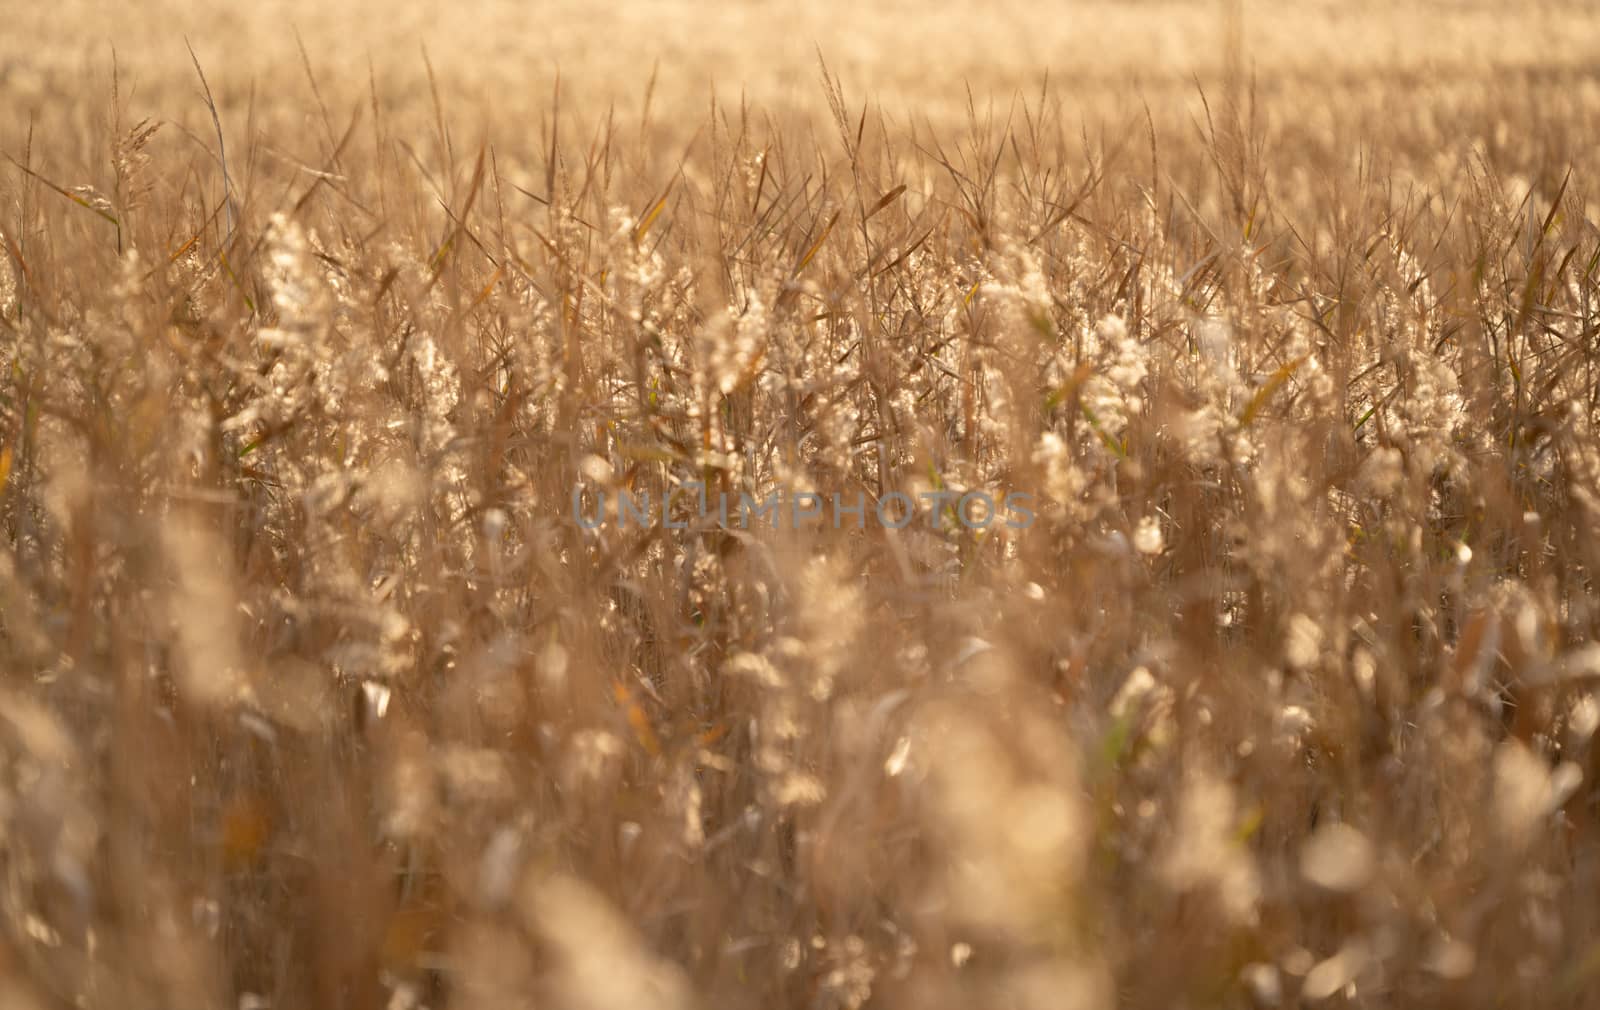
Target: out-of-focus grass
313, 693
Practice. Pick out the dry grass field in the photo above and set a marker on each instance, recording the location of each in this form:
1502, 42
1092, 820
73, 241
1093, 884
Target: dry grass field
318, 689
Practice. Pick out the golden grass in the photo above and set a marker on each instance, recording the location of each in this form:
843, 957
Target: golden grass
313, 693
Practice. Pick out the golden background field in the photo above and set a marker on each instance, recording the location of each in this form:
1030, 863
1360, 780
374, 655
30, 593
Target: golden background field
313, 694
